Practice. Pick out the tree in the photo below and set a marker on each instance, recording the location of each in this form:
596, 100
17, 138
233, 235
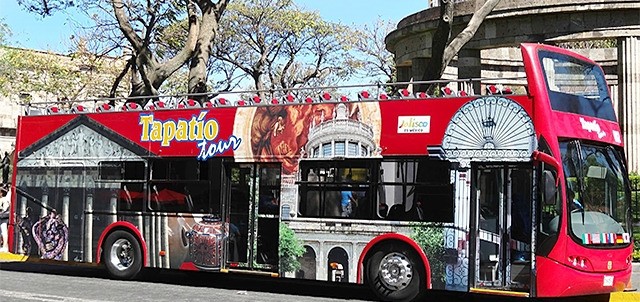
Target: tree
278, 46
431, 239
141, 23
64, 77
5, 32
444, 49
289, 250
373, 58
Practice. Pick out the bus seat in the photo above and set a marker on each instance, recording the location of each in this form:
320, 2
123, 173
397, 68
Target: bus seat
105, 107
405, 93
421, 95
77, 108
493, 89
446, 91
221, 102
154, 105
241, 103
325, 97
130, 106
289, 98
54, 110
189, 103
364, 95
396, 212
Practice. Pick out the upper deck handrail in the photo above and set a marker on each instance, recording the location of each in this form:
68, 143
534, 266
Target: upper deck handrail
378, 91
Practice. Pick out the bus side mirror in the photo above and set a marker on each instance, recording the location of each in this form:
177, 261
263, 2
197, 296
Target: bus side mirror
550, 188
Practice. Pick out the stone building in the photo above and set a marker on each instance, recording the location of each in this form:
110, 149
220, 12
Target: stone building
92, 76
493, 53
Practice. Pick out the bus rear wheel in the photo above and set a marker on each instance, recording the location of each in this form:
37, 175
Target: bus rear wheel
395, 275
122, 255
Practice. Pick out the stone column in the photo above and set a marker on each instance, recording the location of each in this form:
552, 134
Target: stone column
418, 67
469, 66
404, 73
629, 98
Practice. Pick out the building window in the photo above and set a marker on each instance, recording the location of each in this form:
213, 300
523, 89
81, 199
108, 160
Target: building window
339, 151
326, 150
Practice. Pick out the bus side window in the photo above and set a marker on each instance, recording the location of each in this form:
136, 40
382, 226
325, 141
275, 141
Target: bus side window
183, 185
335, 190
126, 179
416, 189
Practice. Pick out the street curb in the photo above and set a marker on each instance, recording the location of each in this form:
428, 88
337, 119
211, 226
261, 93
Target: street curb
9, 257
624, 297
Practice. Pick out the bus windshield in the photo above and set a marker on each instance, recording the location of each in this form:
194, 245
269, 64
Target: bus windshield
597, 192
576, 86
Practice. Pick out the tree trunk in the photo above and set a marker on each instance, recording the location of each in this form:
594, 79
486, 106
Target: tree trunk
211, 14
148, 74
440, 41
442, 51
467, 33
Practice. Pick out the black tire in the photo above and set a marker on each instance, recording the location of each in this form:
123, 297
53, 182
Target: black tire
396, 274
122, 255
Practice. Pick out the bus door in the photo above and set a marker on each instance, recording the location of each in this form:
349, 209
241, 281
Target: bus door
502, 227
252, 210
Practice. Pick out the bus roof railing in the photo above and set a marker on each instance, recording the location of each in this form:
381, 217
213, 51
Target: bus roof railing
377, 91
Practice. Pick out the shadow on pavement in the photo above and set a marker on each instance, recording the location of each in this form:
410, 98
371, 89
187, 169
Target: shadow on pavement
266, 284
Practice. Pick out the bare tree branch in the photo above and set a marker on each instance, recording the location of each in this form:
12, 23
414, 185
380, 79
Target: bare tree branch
462, 38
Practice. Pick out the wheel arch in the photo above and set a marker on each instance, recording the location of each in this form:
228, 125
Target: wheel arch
124, 226
390, 238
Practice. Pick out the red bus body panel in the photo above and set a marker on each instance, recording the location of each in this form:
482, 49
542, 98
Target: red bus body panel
153, 135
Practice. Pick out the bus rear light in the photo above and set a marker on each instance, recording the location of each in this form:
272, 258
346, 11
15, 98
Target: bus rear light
234, 264
580, 262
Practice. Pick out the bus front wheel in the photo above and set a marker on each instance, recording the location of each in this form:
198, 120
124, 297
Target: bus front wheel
122, 255
395, 275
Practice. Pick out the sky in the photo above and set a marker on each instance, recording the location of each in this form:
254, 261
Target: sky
53, 33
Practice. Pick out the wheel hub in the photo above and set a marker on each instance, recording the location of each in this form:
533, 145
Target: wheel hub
395, 271
121, 255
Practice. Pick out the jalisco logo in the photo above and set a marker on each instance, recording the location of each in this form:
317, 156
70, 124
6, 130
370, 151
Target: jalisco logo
414, 124
197, 129
592, 126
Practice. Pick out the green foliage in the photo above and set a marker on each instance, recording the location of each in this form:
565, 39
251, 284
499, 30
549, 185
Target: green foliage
290, 249
47, 7
431, 239
372, 59
636, 247
5, 32
63, 76
634, 180
274, 44
588, 44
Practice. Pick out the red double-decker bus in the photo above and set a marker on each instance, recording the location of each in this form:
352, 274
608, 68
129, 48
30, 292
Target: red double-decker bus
519, 190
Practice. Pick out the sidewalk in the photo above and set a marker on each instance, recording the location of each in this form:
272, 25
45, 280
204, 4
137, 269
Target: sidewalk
630, 296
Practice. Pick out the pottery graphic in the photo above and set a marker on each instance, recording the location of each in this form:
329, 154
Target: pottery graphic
206, 239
